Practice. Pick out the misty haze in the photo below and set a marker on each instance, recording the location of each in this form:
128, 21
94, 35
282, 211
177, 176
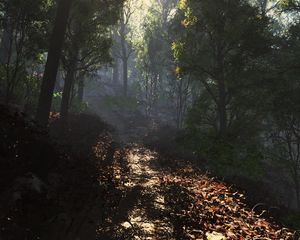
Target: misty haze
149, 119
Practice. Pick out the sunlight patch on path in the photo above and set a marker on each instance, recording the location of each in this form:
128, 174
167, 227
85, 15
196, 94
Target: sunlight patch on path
155, 199
146, 218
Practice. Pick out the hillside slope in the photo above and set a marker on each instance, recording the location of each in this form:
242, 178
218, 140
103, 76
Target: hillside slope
77, 183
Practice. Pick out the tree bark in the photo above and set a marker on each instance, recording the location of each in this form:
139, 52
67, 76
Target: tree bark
80, 89
6, 53
222, 109
125, 76
115, 55
51, 68
116, 72
6, 41
297, 186
124, 57
69, 80
222, 95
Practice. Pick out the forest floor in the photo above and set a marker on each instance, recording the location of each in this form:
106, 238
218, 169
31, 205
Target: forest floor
79, 182
161, 198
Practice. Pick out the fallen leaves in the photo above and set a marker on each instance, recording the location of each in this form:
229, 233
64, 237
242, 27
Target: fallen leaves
217, 210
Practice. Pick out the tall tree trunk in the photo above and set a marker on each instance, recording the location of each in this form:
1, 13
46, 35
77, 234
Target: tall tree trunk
147, 94
6, 55
179, 104
6, 41
124, 57
222, 95
297, 187
222, 108
51, 68
80, 89
64, 107
115, 55
69, 80
125, 76
116, 72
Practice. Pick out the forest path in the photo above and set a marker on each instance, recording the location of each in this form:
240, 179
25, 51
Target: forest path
117, 191
165, 198
155, 195
141, 211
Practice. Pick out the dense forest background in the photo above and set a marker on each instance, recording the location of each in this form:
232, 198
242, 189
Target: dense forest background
220, 79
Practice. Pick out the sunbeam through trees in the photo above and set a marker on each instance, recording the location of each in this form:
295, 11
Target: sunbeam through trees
149, 119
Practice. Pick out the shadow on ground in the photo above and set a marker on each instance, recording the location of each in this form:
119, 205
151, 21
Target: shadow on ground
93, 188
53, 187
147, 209
178, 202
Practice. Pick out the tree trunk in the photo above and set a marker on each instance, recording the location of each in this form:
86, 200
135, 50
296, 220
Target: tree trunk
115, 55
69, 80
179, 104
80, 89
51, 68
125, 76
124, 57
222, 95
6, 55
297, 187
116, 72
6, 42
298, 196
64, 107
222, 109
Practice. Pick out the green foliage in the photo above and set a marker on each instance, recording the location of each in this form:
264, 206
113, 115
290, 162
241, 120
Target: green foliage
290, 5
154, 55
29, 23
234, 156
224, 45
88, 43
284, 98
24, 41
56, 101
78, 106
30, 92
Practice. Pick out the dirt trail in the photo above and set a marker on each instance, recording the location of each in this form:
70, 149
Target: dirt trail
117, 191
154, 197
141, 210
155, 201
147, 216
159, 197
